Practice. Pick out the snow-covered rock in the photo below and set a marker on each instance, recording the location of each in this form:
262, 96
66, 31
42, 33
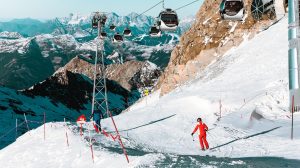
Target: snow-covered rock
15, 45
10, 35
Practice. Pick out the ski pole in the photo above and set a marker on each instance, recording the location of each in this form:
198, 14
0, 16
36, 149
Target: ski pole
193, 137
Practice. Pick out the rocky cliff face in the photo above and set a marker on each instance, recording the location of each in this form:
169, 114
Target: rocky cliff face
131, 75
72, 84
207, 41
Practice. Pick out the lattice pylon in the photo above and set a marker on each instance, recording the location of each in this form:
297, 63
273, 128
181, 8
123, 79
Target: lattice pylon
99, 86
100, 90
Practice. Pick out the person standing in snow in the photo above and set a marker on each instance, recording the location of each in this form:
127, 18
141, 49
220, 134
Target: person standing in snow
146, 92
202, 133
97, 116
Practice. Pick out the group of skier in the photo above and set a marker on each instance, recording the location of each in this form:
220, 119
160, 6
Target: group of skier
201, 127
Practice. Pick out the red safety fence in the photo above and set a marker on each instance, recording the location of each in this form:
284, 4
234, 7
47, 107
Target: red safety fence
114, 138
27, 124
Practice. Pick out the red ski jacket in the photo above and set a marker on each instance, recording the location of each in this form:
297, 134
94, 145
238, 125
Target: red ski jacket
202, 129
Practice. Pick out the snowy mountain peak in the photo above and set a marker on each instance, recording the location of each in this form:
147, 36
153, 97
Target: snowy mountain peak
10, 35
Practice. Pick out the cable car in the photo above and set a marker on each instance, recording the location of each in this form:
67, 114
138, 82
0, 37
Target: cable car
112, 27
286, 4
95, 20
127, 32
261, 7
103, 19
118, 38
168, 20
103, 34
232, 9
155, 32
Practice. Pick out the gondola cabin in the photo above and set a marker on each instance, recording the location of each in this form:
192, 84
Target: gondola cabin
168, 20
112, 27
94, 23
103, 19
95, 20
103, 34
127, 32
154, 32
118, 38
232, 9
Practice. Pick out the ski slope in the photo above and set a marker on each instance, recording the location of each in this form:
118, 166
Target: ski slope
250, 80
252, 83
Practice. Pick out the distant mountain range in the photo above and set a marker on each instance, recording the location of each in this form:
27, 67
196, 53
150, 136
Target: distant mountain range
74, 23
31, 50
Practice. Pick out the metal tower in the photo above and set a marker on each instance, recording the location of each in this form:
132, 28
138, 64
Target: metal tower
294, 52
99, 104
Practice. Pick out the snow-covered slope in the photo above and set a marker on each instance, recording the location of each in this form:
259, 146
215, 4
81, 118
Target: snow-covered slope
256, 72
59, 154
251, 81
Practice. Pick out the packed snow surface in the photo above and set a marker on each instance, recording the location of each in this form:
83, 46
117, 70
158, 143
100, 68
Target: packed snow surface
252, 83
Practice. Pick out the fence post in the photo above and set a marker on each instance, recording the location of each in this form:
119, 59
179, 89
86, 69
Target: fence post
292, 131
66, 132
44, 126
26, 123
220, 103
81, 130
91, 144
92, 153
16, 128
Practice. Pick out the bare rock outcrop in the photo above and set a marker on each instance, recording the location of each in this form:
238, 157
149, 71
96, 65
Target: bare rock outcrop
72, 85
130, 75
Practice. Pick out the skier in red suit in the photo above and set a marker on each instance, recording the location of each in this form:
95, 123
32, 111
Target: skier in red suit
202, 133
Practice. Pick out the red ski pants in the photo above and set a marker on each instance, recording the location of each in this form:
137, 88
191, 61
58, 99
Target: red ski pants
202, 138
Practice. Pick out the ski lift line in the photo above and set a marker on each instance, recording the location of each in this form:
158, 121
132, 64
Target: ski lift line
150, 8
186, 5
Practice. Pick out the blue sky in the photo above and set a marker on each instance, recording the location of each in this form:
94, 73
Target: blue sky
45, 9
